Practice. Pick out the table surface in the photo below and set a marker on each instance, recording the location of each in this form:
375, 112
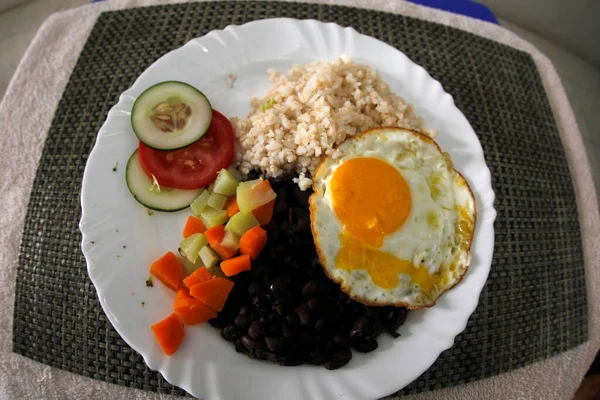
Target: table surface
50, 59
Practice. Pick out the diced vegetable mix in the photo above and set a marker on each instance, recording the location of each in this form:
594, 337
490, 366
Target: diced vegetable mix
190, 246
227, 221
168, 270
200, 275
213, 292
241, 222
235, 265
253, 241
193, 225
169, 333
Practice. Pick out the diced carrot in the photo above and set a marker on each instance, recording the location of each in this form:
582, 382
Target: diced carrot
168, 270
236, 265
193, 225
169, 333
264, 213
215, 236
213, 292
182, 293
199, 275
253, 241
193, 311
232, 206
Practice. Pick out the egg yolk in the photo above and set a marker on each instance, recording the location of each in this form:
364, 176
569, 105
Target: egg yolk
383, 267
370, 198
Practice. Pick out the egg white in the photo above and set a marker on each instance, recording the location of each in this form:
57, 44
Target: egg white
441, 200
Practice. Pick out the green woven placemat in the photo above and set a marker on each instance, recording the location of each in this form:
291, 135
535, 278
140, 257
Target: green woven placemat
534, 304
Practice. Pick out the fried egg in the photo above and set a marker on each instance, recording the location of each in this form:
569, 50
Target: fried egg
392, 220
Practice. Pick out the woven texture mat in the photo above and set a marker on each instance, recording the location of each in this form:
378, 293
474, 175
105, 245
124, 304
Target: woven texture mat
534, 304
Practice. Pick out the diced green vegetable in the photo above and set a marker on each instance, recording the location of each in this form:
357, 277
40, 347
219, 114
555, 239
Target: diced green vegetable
253, 194
191, 267
211, 217
216, 271
241, 222
236, 174
209, 258
225, 183
231, 240
198, 205
190, 246
216, 201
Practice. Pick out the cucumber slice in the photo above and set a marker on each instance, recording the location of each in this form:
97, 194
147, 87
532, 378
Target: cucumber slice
170, 115
158, 198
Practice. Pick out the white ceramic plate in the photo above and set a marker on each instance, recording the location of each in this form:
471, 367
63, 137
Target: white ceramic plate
120, 239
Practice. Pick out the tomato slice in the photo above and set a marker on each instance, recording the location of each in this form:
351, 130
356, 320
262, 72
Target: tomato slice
196, 165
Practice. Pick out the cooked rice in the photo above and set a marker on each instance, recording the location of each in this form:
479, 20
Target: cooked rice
310, 110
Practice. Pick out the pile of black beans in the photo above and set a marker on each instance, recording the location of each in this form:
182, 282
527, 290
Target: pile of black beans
285, 310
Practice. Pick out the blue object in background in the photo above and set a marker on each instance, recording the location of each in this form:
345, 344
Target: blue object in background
463, 7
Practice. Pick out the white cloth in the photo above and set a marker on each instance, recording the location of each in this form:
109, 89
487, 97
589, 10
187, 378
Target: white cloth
26, 114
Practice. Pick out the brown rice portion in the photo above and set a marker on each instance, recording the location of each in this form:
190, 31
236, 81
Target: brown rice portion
310, 110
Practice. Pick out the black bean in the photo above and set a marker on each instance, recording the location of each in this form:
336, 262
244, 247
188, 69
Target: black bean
229, 333
340, 340
320, 324
300, 196
270, 356
274, 344
359, 328
256, 330
291, 362
303, 313
256, 290
287, 331
243, 310
339, 358
293, 319
281, 206
316, 357
315, 305
398, 318
260, 345
366, 346
241, 321
376, 327
252, 175
313, 288
248, 342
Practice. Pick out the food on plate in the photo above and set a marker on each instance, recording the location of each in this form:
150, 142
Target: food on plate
192, 311
150, 194
290, 275
236, 265
193, 225
213, 292
210, 255
392, 219
312, 109
169, 333
253, 241
196, 165
200, 275
168, 270
170, 115
285, 309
